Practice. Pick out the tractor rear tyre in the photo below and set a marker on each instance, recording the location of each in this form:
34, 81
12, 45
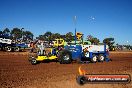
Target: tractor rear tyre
101, 57
65, 57
94, 58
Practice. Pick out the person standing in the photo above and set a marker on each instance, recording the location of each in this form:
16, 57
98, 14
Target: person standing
42, 48
32, 45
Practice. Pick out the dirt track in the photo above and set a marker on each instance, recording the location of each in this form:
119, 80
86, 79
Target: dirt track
16, 71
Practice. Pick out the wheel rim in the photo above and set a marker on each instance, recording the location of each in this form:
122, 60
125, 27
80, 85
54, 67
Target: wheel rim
34, 61
94, 58
17, 49
101, 58
8, 49
66, 57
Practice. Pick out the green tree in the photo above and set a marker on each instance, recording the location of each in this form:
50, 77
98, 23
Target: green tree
57, 35
27, 35
6, 31
1, 32
63, 36
41, 37
69, 37
47, 36
109, 42
16, 33
93, 40
53, 37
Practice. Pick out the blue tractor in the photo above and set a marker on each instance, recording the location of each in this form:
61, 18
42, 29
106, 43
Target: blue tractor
83, 53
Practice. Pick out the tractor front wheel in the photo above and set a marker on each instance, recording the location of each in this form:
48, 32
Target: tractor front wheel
33, 61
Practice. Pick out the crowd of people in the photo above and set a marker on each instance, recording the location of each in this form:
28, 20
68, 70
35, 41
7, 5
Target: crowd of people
38, 46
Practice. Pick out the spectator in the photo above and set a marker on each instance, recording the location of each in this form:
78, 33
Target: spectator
32, 45
41, 47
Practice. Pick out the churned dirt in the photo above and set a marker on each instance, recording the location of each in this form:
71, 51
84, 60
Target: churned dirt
17, 72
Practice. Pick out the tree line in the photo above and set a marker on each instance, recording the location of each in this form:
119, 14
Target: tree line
17, 33
49, 36
21, 33
68, 37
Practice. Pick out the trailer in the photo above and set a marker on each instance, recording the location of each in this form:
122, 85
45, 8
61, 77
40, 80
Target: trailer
7, 44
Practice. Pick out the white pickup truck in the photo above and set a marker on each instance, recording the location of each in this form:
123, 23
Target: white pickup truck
7, 45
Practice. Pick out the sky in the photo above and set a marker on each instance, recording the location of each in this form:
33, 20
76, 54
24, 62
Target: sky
99, 18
